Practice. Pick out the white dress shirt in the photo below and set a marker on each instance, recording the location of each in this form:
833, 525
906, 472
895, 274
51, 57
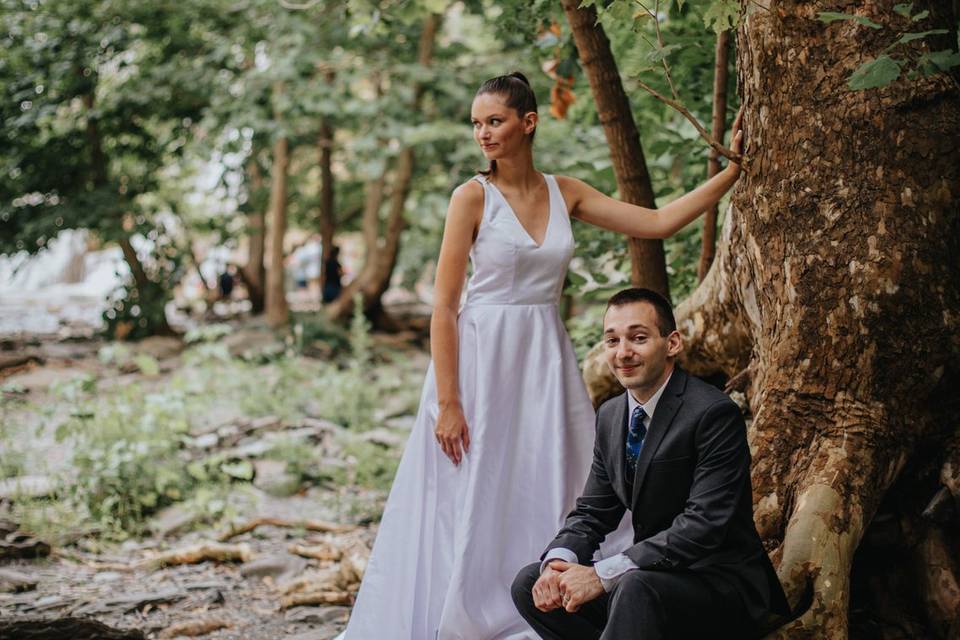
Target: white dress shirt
610, 569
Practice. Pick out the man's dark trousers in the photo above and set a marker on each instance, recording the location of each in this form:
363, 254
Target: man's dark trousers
644, 605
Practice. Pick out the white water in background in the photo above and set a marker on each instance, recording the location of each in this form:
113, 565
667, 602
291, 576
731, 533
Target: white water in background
60, 289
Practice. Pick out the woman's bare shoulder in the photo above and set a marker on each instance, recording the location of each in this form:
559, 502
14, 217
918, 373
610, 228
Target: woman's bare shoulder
467, 197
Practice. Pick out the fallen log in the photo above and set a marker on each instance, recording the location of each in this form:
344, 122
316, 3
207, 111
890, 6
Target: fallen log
317, 597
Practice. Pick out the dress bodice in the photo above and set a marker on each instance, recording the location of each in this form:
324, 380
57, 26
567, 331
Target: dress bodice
509, 268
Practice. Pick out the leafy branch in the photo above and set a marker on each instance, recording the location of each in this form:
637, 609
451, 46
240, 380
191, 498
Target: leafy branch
885, 68
661, 51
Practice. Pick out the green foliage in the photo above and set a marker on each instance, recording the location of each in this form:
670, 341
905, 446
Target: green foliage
126, 457
350, 396
885, 68
879, 72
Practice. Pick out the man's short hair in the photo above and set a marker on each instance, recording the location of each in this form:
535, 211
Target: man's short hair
665, 320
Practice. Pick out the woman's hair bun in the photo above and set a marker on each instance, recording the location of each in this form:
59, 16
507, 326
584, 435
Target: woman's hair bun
521, 77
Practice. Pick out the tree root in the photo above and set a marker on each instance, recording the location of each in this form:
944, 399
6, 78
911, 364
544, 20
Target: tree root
193, 628
200, 553
309, 525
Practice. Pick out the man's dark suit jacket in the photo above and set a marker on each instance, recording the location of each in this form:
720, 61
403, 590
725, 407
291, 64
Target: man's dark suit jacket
690, 498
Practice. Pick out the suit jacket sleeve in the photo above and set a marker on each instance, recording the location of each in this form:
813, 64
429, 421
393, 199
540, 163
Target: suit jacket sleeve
720, 478
598, 512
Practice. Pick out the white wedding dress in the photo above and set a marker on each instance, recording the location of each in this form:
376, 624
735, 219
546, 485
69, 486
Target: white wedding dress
453, 538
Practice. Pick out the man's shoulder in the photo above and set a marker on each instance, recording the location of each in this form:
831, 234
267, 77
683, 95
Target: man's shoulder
703, 396
611, 407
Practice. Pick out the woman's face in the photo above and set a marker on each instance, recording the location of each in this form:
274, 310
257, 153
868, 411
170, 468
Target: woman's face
497, 128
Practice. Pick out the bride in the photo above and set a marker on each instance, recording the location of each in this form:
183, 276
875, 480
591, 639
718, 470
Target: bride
503, 439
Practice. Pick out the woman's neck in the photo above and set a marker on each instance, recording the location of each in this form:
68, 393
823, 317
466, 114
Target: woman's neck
517, 173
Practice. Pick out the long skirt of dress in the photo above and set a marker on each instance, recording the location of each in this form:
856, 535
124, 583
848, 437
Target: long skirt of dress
453, 538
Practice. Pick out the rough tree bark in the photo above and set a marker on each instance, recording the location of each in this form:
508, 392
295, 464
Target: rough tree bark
708, 242
381, 256
834, 305
278, 313
648, 266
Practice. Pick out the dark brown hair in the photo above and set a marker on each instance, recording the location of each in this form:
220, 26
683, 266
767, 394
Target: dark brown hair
665, 320
517, 93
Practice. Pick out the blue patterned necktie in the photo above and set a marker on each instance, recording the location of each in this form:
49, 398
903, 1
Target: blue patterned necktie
635, 437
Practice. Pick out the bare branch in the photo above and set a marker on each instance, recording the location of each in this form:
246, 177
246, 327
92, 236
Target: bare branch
719, 148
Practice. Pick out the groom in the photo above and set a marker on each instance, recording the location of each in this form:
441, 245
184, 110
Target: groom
673, 450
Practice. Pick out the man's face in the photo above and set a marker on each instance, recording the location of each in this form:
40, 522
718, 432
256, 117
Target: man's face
635, 351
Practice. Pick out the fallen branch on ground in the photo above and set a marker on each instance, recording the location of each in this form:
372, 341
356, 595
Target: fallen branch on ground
323, 552
309, 525
200, 553
317, 597
195, 628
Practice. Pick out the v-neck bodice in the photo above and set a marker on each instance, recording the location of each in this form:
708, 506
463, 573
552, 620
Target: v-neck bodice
509, 267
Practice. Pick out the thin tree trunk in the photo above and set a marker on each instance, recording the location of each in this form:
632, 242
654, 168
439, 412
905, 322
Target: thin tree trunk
327, 216
254, 273
720, 74
648, 264
278, 313
381, 256
834, 299
327, 220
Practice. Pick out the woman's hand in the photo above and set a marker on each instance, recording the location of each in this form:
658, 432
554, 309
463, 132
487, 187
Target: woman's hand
452, 432
736, 143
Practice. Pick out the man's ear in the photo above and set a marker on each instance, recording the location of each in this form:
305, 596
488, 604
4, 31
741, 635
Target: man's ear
674, 344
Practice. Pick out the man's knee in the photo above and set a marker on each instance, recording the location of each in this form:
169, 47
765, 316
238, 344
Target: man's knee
522, 587
638, 583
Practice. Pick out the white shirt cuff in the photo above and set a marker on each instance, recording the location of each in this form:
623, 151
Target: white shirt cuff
610, 569
559, 553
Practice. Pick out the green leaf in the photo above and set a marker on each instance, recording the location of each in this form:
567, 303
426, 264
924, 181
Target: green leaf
659, 54
919, 35
147, 364
945, 59
876, 73
830, 16
722, 15
903, 9
435, 6
920, 16
241, 470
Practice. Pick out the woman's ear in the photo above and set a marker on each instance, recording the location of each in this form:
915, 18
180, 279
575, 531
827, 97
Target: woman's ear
530, 120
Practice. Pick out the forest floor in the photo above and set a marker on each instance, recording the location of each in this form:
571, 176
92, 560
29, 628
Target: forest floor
130, 473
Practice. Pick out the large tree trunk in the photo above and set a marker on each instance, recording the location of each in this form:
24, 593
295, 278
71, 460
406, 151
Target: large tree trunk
833, 304
708, 242
278, 313
648, 265
254, 273
381, 255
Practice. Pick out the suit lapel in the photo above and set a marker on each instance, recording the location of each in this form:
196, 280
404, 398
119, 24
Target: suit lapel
618, 444
667, 409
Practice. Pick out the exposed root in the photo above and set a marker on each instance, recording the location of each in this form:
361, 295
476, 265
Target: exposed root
208, 551
309, 525
193, 628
